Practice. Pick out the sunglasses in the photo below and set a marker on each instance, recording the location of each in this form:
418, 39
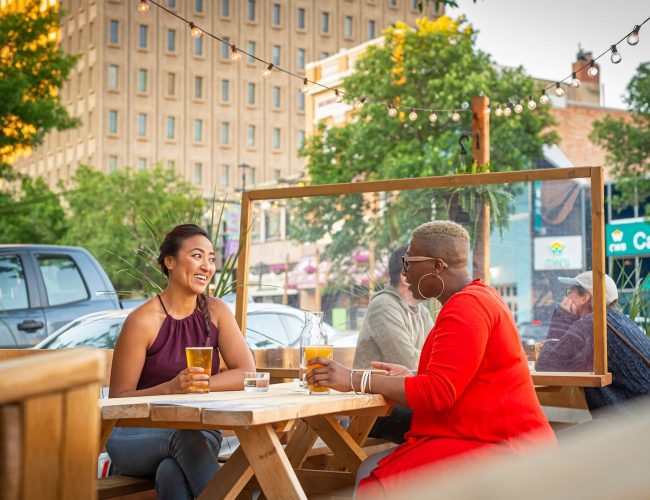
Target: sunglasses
406, 261
578, 289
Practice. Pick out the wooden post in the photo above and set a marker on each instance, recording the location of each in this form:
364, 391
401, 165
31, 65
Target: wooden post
481, 155
243, 263
598, 269
285, 296
317, 303
371, 270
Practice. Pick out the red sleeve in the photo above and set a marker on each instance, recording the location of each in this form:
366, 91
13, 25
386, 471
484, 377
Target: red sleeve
461, 334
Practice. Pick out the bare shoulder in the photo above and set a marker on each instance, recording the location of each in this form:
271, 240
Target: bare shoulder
145, 320
218, 306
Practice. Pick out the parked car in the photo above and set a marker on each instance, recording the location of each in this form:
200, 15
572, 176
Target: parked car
44, 287
532, 332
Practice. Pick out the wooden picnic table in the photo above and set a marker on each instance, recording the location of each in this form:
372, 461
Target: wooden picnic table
259, 420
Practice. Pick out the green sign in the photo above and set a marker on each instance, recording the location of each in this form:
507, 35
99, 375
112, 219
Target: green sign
624, 239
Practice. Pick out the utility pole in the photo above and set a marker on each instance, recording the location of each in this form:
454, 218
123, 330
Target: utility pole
481, 155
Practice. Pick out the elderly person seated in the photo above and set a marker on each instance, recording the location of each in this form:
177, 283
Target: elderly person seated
570, 346
473, 395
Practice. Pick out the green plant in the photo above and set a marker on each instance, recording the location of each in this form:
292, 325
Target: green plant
637, 302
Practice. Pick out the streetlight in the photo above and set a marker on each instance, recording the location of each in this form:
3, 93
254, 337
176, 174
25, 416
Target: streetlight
244, 167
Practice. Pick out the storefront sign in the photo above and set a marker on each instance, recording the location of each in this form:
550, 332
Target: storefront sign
624, 239
557, 252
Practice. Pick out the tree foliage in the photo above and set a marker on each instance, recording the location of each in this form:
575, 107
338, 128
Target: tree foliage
627, 142
32, 71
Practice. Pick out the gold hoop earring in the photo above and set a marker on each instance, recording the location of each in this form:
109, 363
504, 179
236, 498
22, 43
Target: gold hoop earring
441, 292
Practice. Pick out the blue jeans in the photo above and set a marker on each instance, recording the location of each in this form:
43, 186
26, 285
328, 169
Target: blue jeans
182, 461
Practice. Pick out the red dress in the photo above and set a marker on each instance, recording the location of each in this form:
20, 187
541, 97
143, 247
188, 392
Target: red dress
473, 395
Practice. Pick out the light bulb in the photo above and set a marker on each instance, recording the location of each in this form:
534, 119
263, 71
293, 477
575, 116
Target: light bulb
143, 7
391, 110
531, 103
633, 39
559, 91
498, 111
267, 72
235, 56
507, 111
305, 86
359, 104
433, 117
488, 110
575, 83
518, 107
454, 115
413, 115
339, 97
616, 57
543, 99
593, 70
195, 30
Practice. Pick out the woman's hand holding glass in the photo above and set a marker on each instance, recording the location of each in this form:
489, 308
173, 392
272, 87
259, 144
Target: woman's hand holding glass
193, 377
332, 374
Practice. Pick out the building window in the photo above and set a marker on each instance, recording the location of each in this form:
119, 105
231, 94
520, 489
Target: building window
171, 165
142, 80
171, 4
276, 97
251, 177
112, 163
371, 30
301, 59
225, 8
198, 130
142, 164
225, 90
251, 136
142, 125
91, 75
414, 4
198, 87
348, 27
251, 93
251, 52
171, 127
198, 46
198, 173
91, 30
301, 19
225, 133
272, 225
225, 175
301, 101
276, 55
112, 121
171, 40
276, 175
112, 76
80, 83
171, 84
301, 138
276, 15
198, 6
393, 3
143, 37
324, 55
251, 10
509, 295
325, 22
113, 32
225, 49
276, 138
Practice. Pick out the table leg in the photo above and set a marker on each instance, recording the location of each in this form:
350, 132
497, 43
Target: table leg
338, 440
359, 428
270, 463
300, 444
107, 428
231, 478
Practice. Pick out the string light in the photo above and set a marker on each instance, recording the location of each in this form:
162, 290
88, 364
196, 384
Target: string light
391, 110
195, 30
543, 99
339, 97
633, 39
235, 56
488, 110
267, 72
143, 7
575, 83
498, 111
593, 70
413, 115
616, 57
359, 104
531, 103
559, 91
518, 107
433, 117
454, 115
305, 86
507, 111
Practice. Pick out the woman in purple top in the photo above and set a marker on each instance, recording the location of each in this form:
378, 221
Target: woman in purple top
149, 359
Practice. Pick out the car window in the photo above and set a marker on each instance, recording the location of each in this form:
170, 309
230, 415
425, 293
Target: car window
293, 326
63, 283
265, 331
101, 333
13, 289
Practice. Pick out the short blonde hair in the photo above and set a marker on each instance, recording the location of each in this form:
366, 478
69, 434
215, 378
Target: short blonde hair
443, 239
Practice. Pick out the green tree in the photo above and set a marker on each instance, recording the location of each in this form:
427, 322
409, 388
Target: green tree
110, 214
32, 215
32, 71
627, 142
436, 66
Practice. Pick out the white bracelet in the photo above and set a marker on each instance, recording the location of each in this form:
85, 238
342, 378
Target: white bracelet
364, 381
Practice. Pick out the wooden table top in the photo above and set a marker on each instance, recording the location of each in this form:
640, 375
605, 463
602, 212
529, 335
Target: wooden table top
238, 408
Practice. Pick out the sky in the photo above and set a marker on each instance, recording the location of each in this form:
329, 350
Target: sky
543, 37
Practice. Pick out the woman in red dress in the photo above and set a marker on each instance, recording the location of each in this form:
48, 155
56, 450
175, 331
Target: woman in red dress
472, 395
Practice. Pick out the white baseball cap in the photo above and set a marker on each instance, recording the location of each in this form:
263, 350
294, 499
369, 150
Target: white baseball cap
586, 281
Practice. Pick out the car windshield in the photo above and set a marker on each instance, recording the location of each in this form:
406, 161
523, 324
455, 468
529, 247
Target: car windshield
101, 333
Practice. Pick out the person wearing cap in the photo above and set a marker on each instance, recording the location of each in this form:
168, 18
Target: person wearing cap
570, 345
394, 330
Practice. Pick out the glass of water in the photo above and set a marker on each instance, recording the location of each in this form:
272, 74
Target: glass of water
256, 381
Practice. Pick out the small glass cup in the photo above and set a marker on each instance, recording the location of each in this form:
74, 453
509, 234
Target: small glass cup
318, 351
256, 381
200, 357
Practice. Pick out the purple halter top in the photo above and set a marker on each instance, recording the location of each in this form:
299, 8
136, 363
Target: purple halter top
166, 357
